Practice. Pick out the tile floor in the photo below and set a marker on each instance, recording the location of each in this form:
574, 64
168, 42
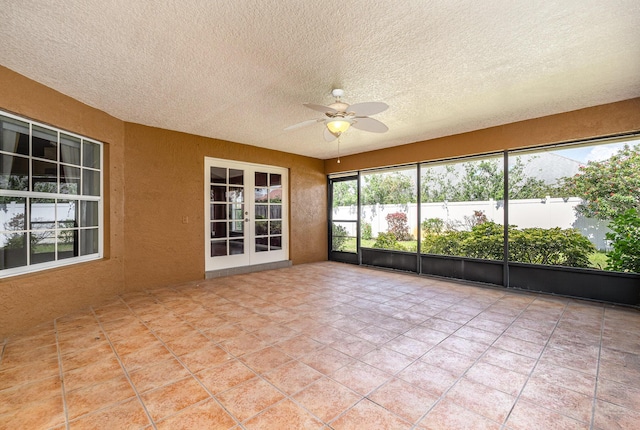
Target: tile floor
327, 345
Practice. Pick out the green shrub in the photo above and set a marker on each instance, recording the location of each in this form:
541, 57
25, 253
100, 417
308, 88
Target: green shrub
553, 246
625, 235
432, 226
366, 231
388, 241
338, 237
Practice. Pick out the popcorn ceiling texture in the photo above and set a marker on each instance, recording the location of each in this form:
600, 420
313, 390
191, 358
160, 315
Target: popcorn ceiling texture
240, 70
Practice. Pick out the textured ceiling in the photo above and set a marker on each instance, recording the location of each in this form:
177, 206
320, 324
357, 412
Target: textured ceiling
240, 70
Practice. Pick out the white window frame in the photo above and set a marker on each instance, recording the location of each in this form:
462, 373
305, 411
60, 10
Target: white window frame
36, 267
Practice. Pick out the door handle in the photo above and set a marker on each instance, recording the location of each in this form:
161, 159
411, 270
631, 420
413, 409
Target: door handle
246, 220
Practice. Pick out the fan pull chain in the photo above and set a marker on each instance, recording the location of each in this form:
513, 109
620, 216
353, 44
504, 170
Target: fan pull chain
338, 149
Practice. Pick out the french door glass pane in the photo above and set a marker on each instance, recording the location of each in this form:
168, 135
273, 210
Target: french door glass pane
218, 175
262, 244
218, 193
261, 179
218, 248
218, 229
276, 179
276, 243
218, 211
236, 246
236, 177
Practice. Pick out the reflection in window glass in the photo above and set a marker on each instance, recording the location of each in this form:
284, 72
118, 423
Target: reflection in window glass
462, 208
14, 173
39, 159
389, 209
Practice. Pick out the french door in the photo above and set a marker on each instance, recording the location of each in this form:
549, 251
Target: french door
246, 214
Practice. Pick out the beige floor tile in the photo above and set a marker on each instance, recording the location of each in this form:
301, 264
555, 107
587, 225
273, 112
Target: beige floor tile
220, 378
169, 399
367, 414
292, 376
403, 399
448, 415
284, 415
249, 398
327, 399
205, 415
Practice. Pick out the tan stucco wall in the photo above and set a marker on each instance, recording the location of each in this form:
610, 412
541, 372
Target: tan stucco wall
597, 121
153, 178
164, 182
28, 300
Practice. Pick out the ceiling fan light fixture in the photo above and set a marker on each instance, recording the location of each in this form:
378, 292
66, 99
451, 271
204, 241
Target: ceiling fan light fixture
338, 126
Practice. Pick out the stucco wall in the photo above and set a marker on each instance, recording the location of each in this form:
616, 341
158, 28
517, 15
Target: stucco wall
146, 243
28, 300
597, 121
164, 184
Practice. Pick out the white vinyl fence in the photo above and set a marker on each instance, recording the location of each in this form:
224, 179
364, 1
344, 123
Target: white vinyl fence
543, 213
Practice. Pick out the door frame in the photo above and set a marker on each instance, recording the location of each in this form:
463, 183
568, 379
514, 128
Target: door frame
250, 257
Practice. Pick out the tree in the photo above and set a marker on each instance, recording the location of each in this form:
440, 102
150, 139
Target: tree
345, 193
388, 189
610, 187
481, 180
625, 235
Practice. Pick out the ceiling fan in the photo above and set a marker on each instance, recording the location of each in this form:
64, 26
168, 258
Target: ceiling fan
339, 116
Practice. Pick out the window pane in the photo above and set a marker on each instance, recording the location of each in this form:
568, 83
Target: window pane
218, 193
343, 237
262, 211
236, 246
275, 211
12, 213
43, 246
13, 250
43, 214
261, 179
218, 229
236, 195
91, 154
14, 173
345, 200
218, 248
276, 179
236, 177
236, 229
262, 244
69, 180
261, 228
462, 208
68, 244
218, 211
45, 177
275, 227
90, 183
89, 214
67, 213
275, 194
218, 175
44, 143
89, 241
15, 136
576, 206
389, 206
275, 243
69, 149
261, 195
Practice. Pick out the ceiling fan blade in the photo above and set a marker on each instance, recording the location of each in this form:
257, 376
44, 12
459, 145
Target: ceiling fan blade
369, 124
320, 108
304, 124
328, 136
368, 108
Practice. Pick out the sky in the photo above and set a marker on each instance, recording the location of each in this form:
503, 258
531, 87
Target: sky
595, 153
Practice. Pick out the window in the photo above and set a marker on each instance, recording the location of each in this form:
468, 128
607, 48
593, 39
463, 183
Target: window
389, 209
576, 206
50, 197
462, 208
